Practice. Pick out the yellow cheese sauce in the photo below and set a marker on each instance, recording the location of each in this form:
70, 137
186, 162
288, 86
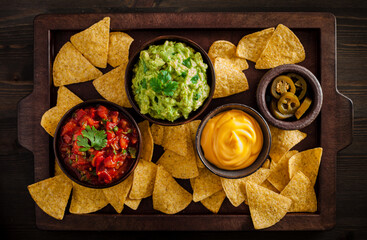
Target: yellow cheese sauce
232, 140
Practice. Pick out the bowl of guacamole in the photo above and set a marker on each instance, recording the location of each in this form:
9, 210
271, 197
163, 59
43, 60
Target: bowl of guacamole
170, 80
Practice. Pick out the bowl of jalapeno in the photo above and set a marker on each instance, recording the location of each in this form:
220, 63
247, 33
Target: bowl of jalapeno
289, 96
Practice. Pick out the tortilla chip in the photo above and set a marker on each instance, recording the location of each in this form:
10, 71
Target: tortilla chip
179, 166
300, 190
308, 162
235, 188
252, 45
58, 170
226, 49
52, 195
148, 145
143, 183
268, 185
50, 119
118, 48
178, 139
168, 196
86, 200
93, 42
283, 47
117, 194
111, 86
214, 202
229, 80
282, 141
70, 66
266, 207
279, 174
132, 203
206, 184
157, 133
65, 100
193, 126
266, 164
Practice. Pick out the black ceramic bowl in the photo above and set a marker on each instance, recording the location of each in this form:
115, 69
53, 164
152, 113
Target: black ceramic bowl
260, 159
68, 172
129, 74
314, 92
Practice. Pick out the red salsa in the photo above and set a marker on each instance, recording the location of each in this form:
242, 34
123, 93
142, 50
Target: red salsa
98, 144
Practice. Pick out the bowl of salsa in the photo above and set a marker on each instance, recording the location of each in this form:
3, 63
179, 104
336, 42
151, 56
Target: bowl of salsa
97, 144
170, 80
233, 141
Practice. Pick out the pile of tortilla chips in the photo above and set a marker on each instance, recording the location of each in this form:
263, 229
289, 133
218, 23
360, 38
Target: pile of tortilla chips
78, 61
270, 48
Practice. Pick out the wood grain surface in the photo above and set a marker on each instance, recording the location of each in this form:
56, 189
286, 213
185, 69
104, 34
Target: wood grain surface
16, 81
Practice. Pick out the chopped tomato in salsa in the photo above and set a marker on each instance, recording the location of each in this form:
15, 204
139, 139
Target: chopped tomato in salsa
98, 144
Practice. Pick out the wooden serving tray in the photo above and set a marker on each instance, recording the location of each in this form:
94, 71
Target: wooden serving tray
332, 130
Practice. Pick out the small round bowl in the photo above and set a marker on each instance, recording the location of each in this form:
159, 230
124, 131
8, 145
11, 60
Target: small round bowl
129, 74
240, 173
313, 85
67, 115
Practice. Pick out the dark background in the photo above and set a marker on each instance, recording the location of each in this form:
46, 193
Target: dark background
17, 219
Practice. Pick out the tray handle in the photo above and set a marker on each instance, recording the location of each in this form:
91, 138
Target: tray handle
345, 122
25, 128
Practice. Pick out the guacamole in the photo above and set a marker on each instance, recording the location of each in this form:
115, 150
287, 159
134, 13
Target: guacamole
170, 81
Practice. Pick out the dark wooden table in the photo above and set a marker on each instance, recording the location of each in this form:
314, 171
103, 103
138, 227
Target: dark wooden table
16, 81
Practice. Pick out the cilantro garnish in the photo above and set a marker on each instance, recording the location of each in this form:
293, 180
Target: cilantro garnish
196, 96
195, 79
164, 83
92, 138
187, 62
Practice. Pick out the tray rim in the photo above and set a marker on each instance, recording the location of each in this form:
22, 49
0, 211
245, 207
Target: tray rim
42, 27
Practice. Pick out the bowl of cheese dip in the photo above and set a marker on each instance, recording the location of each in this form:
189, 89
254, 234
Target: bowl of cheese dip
233, 141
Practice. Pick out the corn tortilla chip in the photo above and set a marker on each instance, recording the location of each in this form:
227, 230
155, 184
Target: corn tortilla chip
229, 80
205, 185
226, 49
117, 194
235, 188
179, 166
52, 195
93, 42
132, 203
148, 145
283, 47
308, 162
143, 183
268, 185
302, 194
118, 48
65, 100
266, 164
157, 133
282, 141
266, 207
214, 202
86, 200
252, 45
168, 196
70, 66
193, 126
111, 86
178, 139
279, 174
